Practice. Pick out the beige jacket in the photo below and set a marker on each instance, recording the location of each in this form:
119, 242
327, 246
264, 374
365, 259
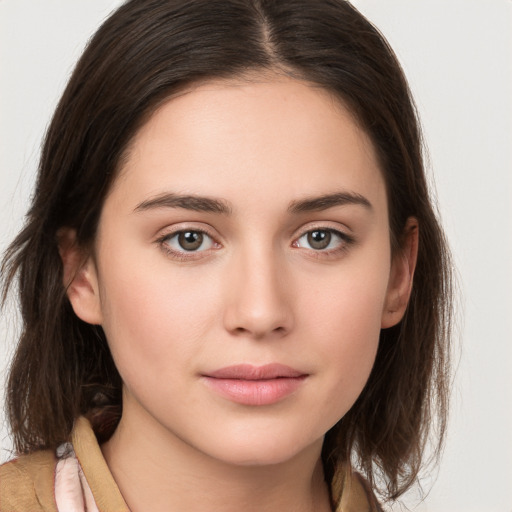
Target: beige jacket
77, 479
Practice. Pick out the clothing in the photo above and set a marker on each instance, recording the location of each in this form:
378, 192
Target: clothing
77, 479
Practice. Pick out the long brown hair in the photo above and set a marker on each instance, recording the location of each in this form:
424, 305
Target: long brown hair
143, 54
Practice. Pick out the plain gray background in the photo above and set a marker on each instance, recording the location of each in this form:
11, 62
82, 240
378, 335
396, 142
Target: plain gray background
457, 55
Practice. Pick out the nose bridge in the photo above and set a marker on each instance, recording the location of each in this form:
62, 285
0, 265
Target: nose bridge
259, 302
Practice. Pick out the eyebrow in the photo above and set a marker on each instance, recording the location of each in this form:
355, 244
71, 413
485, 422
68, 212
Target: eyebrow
326, 201
214, 205
187, 202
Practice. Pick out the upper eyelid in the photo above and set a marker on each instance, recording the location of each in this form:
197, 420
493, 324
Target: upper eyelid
332, 230
170, 231
208, 230
345, 237
323, 225
184, 255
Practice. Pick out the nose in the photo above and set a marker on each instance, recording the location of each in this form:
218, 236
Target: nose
259, 303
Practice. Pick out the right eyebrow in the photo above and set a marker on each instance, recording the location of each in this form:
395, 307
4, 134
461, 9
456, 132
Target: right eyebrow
187, 202
326, 201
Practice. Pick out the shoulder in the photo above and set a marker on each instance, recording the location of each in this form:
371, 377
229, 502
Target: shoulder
27, 483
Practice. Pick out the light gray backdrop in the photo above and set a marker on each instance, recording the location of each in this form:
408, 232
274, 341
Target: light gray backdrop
458, 57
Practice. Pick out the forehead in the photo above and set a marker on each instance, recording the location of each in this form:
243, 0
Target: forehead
280, 136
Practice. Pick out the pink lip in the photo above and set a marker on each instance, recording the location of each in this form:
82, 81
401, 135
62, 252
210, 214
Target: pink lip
255, 385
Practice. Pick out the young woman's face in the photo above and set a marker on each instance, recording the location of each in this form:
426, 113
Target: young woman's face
242, 269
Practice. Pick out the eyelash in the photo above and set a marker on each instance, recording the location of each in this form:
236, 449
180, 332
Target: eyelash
345, 241
183, 255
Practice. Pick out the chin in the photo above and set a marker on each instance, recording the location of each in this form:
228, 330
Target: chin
266, 451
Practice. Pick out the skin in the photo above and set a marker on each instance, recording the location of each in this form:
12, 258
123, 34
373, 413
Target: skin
255, 292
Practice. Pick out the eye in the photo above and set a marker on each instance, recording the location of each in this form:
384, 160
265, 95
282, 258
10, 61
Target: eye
323, 240
188, 241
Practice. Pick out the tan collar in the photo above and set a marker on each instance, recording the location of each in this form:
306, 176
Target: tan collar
106, 494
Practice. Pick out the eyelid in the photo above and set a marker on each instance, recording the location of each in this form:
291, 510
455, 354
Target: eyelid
174, 230
343, 230
345, 234
179, 227
345, 237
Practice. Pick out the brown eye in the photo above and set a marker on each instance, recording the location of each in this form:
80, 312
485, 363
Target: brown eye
323, 240
319, 239
187, 244
190, 240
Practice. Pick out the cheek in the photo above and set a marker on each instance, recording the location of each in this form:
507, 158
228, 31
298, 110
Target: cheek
351, 334
344, 319
348, 303
154, 317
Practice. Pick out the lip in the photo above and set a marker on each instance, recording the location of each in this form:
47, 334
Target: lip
255, 385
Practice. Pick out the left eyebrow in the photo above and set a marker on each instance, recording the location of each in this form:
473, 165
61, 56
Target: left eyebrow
326, 201
187, 202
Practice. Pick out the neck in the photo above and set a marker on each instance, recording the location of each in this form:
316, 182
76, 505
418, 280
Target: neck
157, 471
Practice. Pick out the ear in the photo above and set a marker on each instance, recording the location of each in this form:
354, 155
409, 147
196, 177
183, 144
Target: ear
80, 278
401, 276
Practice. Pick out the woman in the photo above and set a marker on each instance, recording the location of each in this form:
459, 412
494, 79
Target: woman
233, 284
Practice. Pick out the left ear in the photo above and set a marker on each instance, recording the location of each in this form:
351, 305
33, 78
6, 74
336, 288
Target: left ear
401, 276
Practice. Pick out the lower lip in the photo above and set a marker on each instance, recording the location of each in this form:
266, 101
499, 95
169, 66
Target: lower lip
255, 392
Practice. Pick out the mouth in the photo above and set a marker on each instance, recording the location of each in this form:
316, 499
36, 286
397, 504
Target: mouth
255, 385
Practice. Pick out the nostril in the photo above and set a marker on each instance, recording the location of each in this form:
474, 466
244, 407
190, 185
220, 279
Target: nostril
259, 331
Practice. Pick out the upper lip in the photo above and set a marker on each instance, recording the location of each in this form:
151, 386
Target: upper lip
254, 372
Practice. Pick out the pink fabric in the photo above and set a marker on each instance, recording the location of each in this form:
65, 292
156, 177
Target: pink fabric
72, 492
